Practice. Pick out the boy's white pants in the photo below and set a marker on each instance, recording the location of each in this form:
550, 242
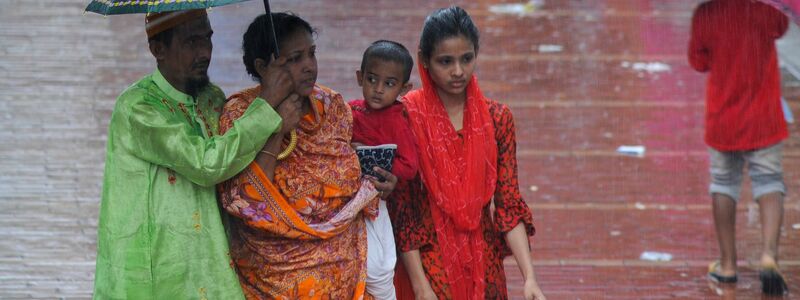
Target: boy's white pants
381, 255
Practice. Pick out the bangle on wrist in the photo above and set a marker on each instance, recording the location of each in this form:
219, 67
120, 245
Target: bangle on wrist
290, 147
269, 153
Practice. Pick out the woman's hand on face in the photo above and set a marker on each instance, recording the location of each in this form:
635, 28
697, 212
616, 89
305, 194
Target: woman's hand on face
276, 82
387, 186
290, 111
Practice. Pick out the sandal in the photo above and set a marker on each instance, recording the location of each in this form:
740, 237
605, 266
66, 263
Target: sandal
713, 276
772, 282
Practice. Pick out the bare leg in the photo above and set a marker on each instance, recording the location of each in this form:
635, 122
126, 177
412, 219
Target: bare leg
725, 224
771, 209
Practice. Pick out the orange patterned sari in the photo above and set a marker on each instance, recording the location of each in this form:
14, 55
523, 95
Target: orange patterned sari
301, 235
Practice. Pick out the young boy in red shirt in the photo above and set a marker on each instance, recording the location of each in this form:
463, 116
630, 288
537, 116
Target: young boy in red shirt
378, 119
734, 40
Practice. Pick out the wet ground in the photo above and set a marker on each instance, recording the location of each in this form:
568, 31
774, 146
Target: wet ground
581, 77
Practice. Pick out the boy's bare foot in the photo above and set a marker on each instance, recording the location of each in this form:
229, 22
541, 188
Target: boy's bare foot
719, 268
768, 261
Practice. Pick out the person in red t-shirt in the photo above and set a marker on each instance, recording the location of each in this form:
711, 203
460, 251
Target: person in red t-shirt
734, 40
378, 119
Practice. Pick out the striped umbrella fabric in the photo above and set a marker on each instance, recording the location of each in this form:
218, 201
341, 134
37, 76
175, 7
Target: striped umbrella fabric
115, 7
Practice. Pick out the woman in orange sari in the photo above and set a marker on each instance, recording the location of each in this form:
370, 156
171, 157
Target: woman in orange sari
298, 230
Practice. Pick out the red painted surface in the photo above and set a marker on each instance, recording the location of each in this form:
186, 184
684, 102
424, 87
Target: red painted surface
595, 211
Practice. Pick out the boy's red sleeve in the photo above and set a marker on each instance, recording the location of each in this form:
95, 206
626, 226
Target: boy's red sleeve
699, 56
781, 23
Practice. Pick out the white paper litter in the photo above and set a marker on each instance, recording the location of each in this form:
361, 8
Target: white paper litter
655, 256
787, 111
534, 188
639, 206
649, 67
637, 150
614, 233
519, 9
752, 215
544, 48
796, 226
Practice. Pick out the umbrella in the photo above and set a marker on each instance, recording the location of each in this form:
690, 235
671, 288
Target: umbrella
789, 7
115, 7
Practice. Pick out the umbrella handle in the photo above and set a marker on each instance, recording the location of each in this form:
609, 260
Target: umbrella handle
271, 28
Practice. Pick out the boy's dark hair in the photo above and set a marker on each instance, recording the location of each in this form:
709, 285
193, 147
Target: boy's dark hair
256, 43
446, 23
389, 51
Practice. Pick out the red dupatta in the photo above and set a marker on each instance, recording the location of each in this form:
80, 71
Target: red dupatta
460, 174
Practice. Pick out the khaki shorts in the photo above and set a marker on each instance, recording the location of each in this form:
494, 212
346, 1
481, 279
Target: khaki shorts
764, 165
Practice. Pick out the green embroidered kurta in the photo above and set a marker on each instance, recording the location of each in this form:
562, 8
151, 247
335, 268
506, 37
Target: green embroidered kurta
160, 234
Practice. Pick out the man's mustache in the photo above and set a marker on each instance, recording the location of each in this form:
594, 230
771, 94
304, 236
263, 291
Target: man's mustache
201, 64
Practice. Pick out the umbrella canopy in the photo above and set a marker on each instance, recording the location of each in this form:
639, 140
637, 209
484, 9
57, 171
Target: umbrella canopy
118, 7
789, 7
115, 7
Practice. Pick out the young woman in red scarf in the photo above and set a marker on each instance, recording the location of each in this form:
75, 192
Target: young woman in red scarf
455, 227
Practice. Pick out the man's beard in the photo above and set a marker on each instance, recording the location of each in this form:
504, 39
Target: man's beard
195, 85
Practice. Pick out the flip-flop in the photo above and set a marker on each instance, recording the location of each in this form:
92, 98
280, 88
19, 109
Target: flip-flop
713, 276
772, 282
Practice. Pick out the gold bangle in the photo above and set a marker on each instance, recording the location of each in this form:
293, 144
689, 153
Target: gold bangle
290, 147
269, 153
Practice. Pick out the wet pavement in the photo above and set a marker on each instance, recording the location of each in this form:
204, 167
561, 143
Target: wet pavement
581, 77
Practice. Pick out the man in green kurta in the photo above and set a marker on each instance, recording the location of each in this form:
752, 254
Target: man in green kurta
160, 233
